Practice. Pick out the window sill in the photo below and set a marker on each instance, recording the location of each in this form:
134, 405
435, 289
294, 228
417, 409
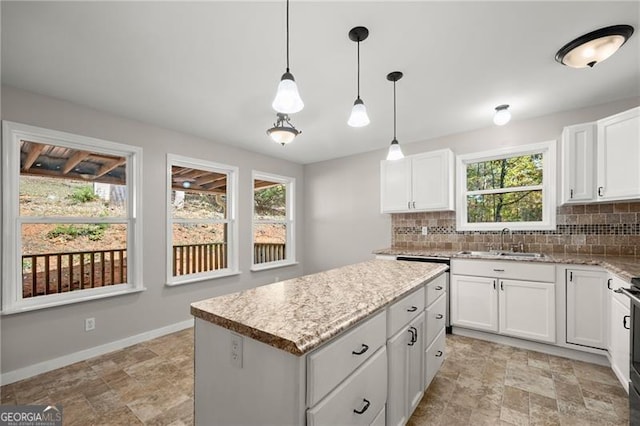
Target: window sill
272, 265
201, 277
23, 307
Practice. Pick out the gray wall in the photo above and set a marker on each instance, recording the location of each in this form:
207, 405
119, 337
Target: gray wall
37, 336
342, 197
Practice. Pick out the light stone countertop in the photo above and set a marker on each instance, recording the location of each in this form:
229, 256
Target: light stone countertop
625, 267
300, 314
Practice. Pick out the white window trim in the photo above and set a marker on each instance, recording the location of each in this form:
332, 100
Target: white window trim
289, 221
12, 301
232, 222
549, 166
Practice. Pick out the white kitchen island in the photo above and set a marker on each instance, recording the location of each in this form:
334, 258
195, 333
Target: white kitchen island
337, 347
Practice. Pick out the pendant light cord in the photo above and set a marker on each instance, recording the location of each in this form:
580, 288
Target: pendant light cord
287, 35
394, 110
358, 68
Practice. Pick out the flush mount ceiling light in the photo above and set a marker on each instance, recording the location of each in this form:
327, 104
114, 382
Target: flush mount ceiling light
287, 100
358, 117
281, 133
502, 115
395, 152
598, 45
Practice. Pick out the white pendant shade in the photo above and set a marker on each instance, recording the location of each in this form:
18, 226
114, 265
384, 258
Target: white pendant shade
395, 152
287, 100
282, 135
358, 117
502, 115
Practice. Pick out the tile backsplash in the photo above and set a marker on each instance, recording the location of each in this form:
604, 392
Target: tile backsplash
603, 229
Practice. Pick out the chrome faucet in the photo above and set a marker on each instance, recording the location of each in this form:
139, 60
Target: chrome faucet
504, 230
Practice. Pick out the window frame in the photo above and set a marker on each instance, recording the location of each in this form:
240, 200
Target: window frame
12, 134
548, 187
289, 221
231, 220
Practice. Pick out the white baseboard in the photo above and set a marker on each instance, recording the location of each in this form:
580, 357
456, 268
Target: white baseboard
599, 358
63, 361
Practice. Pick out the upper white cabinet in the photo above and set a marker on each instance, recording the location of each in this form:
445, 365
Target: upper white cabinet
619, 156
600, 159
578, 152
422, 182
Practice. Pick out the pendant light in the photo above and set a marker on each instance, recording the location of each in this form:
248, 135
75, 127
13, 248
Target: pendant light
594, 47
281, 133
395, 152
358, 117
502, 115
287, 100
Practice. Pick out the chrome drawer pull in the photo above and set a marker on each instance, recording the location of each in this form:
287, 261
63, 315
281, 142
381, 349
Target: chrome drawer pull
498, 270
363, 350
438, 288
412, 309
365, 408
439, 354
439, 316
414, 336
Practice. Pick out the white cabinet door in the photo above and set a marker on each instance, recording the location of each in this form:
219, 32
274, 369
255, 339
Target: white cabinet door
395, 185
619, 156
619, 335
432, 176
586, 302
578, 162
528, 310
406, 376
474, 302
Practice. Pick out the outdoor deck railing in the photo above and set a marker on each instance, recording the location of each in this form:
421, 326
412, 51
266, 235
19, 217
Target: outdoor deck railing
51, 273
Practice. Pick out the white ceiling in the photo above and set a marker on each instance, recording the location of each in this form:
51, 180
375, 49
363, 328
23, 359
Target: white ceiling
211, 68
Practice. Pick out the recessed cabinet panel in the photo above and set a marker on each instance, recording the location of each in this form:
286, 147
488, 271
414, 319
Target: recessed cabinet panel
395, 185
528, 310
619, 156
586, 321
578, 157
474, 302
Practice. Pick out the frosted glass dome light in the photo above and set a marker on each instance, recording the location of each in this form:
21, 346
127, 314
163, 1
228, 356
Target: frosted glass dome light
502, 115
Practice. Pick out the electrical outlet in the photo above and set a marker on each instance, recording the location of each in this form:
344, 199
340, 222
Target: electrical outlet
89, 324
236, 350
425, 230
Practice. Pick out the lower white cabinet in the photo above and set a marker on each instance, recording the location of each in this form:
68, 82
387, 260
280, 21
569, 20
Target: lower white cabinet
434, 357
406, 385
499, 304
619, 324
586, 307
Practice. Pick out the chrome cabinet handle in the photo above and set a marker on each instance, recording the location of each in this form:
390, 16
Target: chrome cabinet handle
600, 191
502, 285
609, 284
414, 336
439, 316
413, 204
624, 322
408, 204
361, 351
439, 288
498, 270
412, 309
367, 403
494, 284
438, 354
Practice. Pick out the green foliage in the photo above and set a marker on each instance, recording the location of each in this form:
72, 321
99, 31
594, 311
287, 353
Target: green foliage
83, 194
505, 206
95, 232
271, 201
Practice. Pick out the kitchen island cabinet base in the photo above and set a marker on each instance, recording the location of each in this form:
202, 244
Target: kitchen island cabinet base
267, 389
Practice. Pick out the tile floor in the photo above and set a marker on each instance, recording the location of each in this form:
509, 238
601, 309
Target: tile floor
480, 383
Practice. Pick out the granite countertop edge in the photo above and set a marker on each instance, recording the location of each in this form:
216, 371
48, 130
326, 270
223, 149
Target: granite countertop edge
625, 267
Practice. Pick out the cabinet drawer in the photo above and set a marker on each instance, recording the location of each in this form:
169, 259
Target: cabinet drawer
434, 357
404, 310
531, 271
436, 287
365, 390
436, 318
329, 365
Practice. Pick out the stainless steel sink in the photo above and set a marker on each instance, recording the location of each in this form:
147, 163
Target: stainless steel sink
499, 253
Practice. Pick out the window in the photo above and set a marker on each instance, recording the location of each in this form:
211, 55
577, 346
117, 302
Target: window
201, 226
512, 188
273, 221
71, 218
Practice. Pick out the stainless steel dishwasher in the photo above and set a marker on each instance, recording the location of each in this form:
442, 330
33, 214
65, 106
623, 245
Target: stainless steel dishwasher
434, 259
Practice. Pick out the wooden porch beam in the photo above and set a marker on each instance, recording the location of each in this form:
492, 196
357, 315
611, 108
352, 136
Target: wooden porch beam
74, 160
34, 153
107, 167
